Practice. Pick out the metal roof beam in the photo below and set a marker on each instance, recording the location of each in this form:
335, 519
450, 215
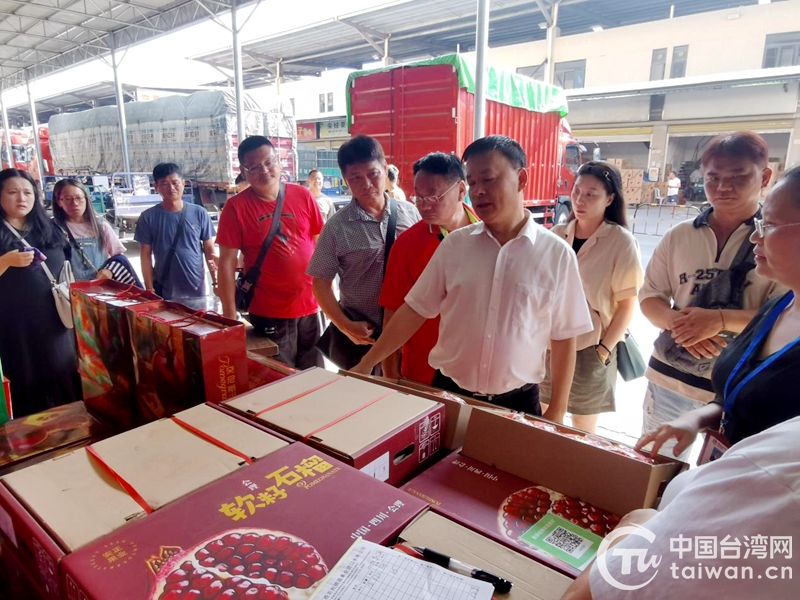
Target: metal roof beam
547, 14
51, 39
88, 15
53, 19
367, 33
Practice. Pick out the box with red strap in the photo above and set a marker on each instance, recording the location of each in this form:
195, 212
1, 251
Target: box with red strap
60, 505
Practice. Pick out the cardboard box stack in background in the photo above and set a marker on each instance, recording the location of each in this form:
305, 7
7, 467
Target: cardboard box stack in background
183, 358
41, 436
105, 356
60, 505
649, 192
632, 184
548, 491
385, 433
275, 527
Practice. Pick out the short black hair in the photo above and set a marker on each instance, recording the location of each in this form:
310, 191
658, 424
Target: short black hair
240, 179
360, 149
392, 173
252, 143
448, 166
506, 146
163, 170
37, 219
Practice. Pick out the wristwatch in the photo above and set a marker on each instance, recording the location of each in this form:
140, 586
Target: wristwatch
607, 360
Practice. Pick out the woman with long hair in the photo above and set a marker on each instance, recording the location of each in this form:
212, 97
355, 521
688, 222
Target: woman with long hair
36, 350
92, 240
611, 272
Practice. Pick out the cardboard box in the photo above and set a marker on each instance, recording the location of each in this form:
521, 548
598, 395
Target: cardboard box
105, 356
514, 511
184, 358
457, 408
496, 488
258, 344
385, 433
40, 436
262, 370
294, 506
532, 580
64, 503
16, 581
618, 162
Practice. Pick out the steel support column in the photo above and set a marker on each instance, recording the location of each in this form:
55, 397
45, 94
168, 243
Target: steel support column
6, 131
35, 128
237, 73
123, 122
481, 47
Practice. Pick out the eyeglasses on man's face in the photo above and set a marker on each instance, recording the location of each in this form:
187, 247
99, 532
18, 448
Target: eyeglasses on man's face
763, 229
432, 199
260, 167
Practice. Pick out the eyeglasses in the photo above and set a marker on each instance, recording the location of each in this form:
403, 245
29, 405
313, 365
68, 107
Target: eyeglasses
71, 199
432, 199
762, 229
261, 167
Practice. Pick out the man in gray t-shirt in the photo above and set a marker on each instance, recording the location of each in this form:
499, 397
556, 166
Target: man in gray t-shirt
156, 231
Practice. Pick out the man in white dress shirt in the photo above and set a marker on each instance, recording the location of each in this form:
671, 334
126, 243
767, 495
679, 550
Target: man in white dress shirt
505, 289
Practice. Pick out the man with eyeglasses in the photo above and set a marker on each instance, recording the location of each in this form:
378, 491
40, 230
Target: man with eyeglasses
505, 288
440, 186
179, 274
353, 246
283, 307
701, 288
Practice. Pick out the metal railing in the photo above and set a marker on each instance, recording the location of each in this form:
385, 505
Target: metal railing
656, 219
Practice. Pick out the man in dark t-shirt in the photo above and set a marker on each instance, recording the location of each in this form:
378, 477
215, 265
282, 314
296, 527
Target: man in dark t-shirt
183, 275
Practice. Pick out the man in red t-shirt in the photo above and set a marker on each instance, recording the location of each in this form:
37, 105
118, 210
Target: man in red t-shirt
439, 191
283, 306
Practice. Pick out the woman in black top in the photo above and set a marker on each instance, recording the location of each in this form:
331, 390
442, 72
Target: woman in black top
36, 350
756, 377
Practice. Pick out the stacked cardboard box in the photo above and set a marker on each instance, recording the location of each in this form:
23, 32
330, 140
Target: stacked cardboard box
649, 192
632, 185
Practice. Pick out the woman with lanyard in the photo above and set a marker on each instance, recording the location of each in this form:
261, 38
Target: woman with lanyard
611, 273
755, 378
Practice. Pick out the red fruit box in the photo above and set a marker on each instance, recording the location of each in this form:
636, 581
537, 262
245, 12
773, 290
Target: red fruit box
541, 482
262, 370
105, 356
184, 357
40, 436
270, 531
386, 434
58, 506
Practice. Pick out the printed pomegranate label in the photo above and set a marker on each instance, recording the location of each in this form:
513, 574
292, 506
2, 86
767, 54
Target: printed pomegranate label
241, 563
523, 509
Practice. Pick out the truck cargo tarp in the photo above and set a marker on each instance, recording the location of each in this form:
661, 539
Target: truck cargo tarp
196, 131
501, 86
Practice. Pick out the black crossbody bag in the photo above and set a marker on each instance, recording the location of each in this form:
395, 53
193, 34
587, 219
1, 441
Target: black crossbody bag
158, 285
334, 344
246, 283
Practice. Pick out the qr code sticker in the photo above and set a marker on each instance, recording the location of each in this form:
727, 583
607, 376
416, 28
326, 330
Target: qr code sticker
568, 542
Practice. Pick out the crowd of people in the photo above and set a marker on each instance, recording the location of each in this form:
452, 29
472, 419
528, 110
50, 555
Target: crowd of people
456, 286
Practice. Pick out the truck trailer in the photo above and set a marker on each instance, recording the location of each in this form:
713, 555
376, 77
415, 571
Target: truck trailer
428, 106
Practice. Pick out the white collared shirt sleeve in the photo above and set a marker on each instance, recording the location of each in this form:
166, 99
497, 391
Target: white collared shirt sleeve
570, 314
430, 291
627, 276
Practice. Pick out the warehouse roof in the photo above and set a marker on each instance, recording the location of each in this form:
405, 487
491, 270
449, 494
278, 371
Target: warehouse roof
43, 36
417, 29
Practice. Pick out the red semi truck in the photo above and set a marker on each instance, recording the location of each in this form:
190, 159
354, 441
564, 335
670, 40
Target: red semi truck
427, 106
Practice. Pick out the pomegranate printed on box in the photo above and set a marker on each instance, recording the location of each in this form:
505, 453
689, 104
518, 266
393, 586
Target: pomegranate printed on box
240, 563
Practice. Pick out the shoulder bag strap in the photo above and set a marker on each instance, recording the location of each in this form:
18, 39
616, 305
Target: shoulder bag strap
254, 272
391, 231
174, 247
26, 244
73, 242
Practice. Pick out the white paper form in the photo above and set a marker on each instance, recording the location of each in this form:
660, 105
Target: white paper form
371, 572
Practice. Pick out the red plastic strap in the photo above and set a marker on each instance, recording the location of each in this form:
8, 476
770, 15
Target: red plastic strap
212, 439
125, 485
348, 415
300, 395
